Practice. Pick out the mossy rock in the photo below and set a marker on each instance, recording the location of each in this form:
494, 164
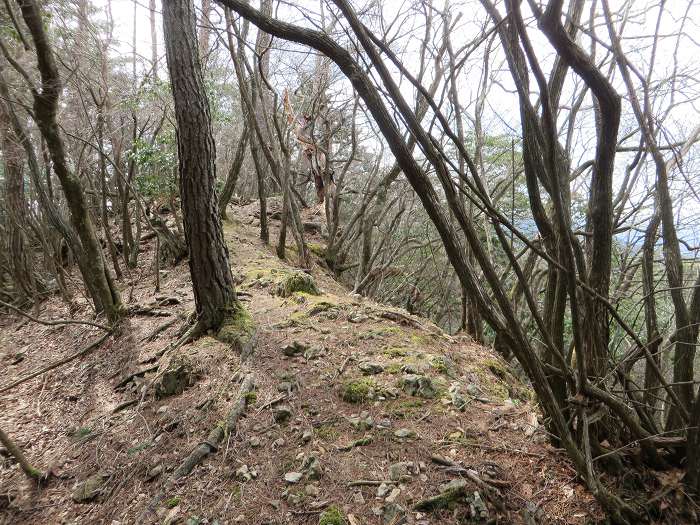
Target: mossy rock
296, 282
89, 489
319, 250
358, 390
237, 328
179, 375
332, 516
395, 351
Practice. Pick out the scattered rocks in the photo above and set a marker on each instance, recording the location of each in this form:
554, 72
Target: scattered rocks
89, 489
417, 385
244, 473
371, 368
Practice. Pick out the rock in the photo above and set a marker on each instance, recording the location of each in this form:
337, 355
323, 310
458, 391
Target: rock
393, 514
293, 477
176, 378
370, 368
478, 507
282, 413
358, 390
277, 443
402, 471
243, 473
154, 472
89, 489
294, 349
417, 385
391, 498
312, 467
449, 494
456, 398
311, 489
357, 317
363, 422
275, 503
405, 433
358, 498
254, 441
307, 436
384, 423
383, 490
287, 387
296, 282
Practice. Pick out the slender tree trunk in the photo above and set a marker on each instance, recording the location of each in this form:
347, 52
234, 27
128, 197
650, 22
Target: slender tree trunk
105, 296
212, 282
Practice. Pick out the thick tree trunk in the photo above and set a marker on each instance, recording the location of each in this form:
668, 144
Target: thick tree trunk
212, 282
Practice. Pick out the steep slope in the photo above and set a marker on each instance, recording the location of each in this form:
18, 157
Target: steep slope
358, 408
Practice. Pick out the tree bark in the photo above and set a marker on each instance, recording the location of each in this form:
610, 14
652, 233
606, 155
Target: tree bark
212, 282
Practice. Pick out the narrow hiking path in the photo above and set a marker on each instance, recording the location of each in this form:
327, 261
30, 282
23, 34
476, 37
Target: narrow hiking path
357, 406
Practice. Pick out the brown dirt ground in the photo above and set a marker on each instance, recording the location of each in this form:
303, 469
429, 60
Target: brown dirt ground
64, 419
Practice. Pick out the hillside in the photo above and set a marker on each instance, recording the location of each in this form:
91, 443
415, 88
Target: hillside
357, 407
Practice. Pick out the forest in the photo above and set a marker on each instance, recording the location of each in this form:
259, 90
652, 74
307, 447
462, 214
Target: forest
349, 261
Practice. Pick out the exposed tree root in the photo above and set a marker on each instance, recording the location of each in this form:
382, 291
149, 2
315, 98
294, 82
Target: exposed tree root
210, 445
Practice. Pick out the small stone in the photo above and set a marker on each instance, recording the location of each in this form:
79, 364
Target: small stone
254, 441
384, 423
312, 467
154, 472
393, 514
312, 490
90, 488
282, 414
162, 409
383, 490
405, 433
402, 471
293, 477
294, 349
357, 317
243, 473
277, 443
370, 368
391, 498
307, 436
358, 498
417, 385
275, 504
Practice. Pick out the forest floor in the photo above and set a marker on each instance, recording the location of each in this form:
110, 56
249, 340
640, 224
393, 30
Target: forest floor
429, 408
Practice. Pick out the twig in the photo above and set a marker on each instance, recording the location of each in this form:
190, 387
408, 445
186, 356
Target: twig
56, 364
54, 322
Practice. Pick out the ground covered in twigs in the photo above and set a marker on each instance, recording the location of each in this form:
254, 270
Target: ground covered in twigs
361, 414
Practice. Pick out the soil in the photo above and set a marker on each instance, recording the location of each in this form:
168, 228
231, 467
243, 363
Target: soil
67, 420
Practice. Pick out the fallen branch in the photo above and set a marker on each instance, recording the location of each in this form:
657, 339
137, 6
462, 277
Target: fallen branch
54, 322
56, 364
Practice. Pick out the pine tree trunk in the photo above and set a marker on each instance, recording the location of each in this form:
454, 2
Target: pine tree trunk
212, 282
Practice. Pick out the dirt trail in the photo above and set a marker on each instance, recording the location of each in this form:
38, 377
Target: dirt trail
349, 394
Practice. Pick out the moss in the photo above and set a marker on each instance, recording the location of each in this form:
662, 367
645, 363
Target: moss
405, 409
332, 516
236, 328
82, 433
439, 364
139, 448
395, 351
319, 250
421, 339
296, 282
358, 390
393, 368
172, 502
327, 432
250, 398
497, 368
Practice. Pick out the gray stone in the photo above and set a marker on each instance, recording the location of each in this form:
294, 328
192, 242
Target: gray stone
254, 441
293, 477
294, 349
89, 489
383, 490
393, 514
282, 413
312, 467
402, 471
405, 433
370, 368
417, 385
358, 498
307, 436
